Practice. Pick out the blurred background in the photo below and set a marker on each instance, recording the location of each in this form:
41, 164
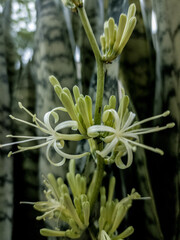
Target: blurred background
40, 38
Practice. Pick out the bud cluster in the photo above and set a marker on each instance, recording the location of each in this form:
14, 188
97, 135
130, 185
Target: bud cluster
59, 205
81, 110
112, 212
115, 37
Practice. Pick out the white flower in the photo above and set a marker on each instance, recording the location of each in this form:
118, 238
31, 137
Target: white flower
123, 136
53, 139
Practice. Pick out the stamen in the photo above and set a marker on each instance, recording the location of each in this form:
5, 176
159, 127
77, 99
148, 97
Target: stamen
33, 137
143, 198
32, 115
20, 120
150, 130
25, 109
19, 142
12, 153
31, 203
45, 130
33, 147
156, 150
165, 114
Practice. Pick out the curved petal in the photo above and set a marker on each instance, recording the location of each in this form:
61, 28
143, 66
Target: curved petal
129, 120
66, 124
93, 130
108, 148
46, 121
115, 115
119, 162
66, 155
109, 138
48, 158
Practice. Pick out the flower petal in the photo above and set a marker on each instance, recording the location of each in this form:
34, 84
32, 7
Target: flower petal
119, 162
116, 117
66, 155
93, 130
66, 124
46, 121
108, 148
129, 120
48, 158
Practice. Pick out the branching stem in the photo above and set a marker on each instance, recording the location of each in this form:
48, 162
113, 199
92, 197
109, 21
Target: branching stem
99, 100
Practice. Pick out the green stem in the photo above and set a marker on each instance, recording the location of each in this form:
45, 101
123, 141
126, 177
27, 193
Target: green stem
96, 181
89, 32
98, 175
99, 62
99, 93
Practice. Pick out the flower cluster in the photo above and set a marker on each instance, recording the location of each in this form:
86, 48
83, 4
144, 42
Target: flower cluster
51, 136
60, 207
112, 213
121, 133
115, 37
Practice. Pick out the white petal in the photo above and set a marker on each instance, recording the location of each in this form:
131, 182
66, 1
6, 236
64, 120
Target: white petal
48, 158
116, 117
129, 120
93, 130
66, 124
46, 121
119, 162
108, 148
68, 156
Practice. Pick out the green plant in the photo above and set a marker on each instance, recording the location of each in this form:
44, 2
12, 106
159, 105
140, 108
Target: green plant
112, 134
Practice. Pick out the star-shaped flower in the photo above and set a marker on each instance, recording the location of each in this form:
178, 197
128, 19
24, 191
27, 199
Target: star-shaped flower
53, 139
123, 136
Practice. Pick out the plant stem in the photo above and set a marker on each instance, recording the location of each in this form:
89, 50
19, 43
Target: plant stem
97, 178
99, 62
98, 175
89, 32
99, 93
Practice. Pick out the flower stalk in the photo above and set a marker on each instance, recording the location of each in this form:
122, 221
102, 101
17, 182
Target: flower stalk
98, 176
